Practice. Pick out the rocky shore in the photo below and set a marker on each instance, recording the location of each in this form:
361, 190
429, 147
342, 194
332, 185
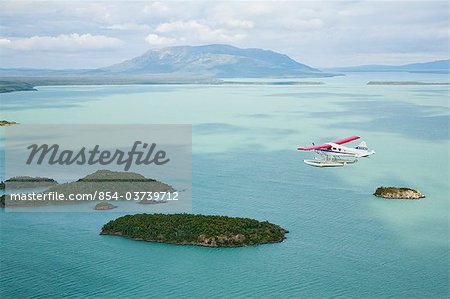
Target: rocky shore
104, 206
398, 193
4, 123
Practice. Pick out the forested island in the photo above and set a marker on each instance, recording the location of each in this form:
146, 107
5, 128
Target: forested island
13, 85
118, 183
200, 230
27, 182
398, 193
4, 123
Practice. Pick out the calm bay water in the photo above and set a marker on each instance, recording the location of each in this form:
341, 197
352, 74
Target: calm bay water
343, 242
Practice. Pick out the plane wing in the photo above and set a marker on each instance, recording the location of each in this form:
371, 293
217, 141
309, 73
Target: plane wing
345, 140
314, 147
326, 145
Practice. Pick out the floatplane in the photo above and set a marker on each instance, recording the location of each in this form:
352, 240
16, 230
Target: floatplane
334, 154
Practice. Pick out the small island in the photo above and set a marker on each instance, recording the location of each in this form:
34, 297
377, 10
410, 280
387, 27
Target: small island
15, 85
115, 183
200, 230
104, 206
151, 201
398, 193
24, 182
4, 123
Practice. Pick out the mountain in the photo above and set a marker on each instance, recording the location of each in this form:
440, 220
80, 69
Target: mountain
223, 61
438, 66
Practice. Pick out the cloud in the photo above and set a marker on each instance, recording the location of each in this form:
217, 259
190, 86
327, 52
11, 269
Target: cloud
156, 40
195, 31
128, 26
156, 8
311, 24
4, 42
235, 23
64, 42
321, 34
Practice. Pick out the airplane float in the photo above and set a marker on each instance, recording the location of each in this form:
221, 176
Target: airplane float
334, 154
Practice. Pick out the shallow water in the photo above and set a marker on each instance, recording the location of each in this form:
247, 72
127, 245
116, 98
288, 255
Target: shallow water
343, 242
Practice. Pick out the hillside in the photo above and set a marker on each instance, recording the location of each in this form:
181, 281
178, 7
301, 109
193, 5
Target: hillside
184, 64
438, 66
218, 60
100, 182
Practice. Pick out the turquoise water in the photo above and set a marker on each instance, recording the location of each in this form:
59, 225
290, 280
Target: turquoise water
343, 242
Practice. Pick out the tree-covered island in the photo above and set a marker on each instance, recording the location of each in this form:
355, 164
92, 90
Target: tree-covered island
200, 230
398, 193
20, 182
4, 123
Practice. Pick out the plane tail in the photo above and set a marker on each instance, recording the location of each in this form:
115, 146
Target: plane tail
362, 146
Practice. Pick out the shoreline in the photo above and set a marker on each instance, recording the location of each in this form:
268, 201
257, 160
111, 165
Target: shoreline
119, 234
16, 86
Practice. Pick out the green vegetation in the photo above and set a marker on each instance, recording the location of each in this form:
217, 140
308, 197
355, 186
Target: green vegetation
10, 86
399, 193
151, 201
102, 181
27, 182
19, 83
27, 83
112, 181
7, 123
201, 230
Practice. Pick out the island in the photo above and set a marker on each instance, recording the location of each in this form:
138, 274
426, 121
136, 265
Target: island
104, 206
151, 201
193, 229
398, 193
24, 182
14, 85
204, 64
118, 184
4, 123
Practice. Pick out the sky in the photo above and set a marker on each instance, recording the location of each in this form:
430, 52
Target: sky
87, 34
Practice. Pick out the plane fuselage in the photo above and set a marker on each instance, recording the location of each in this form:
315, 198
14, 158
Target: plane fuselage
339, 150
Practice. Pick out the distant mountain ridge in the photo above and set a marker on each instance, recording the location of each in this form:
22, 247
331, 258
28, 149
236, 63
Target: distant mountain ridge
438, 66
217, 60
214, 61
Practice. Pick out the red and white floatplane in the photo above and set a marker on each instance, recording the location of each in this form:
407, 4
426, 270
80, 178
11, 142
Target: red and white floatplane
334, 154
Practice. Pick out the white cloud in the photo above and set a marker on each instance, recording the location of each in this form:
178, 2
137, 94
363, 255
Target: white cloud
63, 42
156, 40
235, 23
195, 31
156, 8
314, 32
303, 24
4, 42
128, 26
178, 26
